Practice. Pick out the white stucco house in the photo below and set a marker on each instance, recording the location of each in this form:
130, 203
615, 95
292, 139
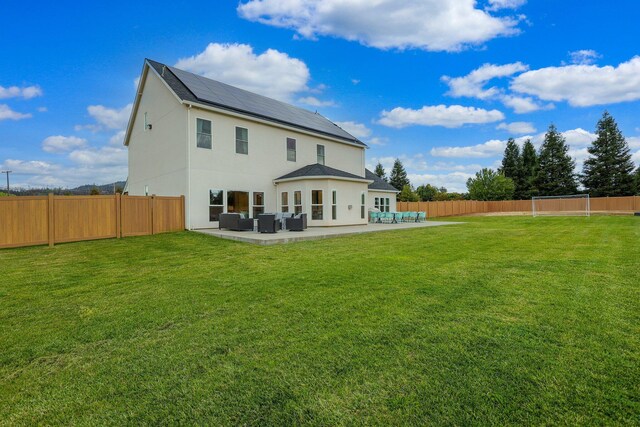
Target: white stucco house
229, 150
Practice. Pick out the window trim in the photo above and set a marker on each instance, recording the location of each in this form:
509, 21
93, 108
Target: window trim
316, 205
223, 206
253, 203
297, 208
246, 143
196, 132
294, 151
324, 154
334, 204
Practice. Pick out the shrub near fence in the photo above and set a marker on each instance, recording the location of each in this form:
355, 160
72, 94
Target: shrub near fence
469, 207
40, 220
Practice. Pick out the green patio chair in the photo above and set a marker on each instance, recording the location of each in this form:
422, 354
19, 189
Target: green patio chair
422, 216
374, 217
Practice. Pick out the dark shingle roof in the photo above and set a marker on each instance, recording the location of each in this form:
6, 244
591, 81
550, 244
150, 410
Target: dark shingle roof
319, 170
195, 88
378, 183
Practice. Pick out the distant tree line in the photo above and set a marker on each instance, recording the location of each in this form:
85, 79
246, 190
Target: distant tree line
549, 171
609, 170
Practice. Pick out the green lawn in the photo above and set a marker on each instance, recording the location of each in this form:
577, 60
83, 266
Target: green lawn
503, 320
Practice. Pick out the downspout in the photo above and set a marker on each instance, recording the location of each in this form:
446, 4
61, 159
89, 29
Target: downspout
188, 207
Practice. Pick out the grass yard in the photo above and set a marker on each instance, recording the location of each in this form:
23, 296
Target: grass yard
503, 320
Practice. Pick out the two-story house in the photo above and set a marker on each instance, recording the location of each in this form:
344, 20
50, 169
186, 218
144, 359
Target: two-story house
229, 150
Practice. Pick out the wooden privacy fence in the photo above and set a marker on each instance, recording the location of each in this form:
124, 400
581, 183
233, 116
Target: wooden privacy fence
468, 207
41, 220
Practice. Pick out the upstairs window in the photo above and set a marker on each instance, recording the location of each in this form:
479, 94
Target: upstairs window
242, 140
291, 149
320, 151
203, 133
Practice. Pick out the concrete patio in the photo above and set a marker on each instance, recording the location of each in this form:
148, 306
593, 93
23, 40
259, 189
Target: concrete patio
314, 233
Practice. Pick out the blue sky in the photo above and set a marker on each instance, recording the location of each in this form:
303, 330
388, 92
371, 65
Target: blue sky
441, 84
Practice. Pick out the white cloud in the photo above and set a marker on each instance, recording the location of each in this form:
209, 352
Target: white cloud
110, 118
505, 4
633, 141
583, 85
435, 25
104, 156
452, 116
636, 157
355, 81
118, 138
7, 113
20, 92
271, 73
584, 56
490, 148
523, 104
315, 102
42, 109
29, 167
472, 85
358, 130
578, 137
60, 144
376, 140
517, 128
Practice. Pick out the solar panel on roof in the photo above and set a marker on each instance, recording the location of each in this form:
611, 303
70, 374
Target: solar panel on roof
224, 95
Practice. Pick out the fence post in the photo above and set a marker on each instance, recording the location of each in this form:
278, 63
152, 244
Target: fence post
184, 216
118, 216
152, 206
51, 221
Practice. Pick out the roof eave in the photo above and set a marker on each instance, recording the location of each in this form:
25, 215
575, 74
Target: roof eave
319, 177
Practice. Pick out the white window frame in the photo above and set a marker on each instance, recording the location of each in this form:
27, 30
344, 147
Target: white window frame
321, 204
246, 143
284, 207
334, 205
324, 154
294, 151
297, 207
196, 132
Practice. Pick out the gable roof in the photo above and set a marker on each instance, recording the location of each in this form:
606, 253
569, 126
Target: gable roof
317, 170
191, 87
378, 183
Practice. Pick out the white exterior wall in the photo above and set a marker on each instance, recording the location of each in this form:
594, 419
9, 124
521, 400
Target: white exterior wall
348, 193
221, 168
391, 195
157, 157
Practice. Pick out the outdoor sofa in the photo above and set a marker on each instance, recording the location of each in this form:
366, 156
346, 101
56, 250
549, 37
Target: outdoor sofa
235, 222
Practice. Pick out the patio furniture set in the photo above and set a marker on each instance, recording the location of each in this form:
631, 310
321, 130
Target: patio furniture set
396, 217
266, 223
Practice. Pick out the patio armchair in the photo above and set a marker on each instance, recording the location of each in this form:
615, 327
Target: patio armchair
285, 217
235, 222
422, 216
267, 223
297, 223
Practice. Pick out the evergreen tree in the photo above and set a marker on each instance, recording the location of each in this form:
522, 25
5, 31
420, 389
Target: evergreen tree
637, 181
398, 176
512, 167
529, 170
609, 169
490, 185
555, 176
381, 172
